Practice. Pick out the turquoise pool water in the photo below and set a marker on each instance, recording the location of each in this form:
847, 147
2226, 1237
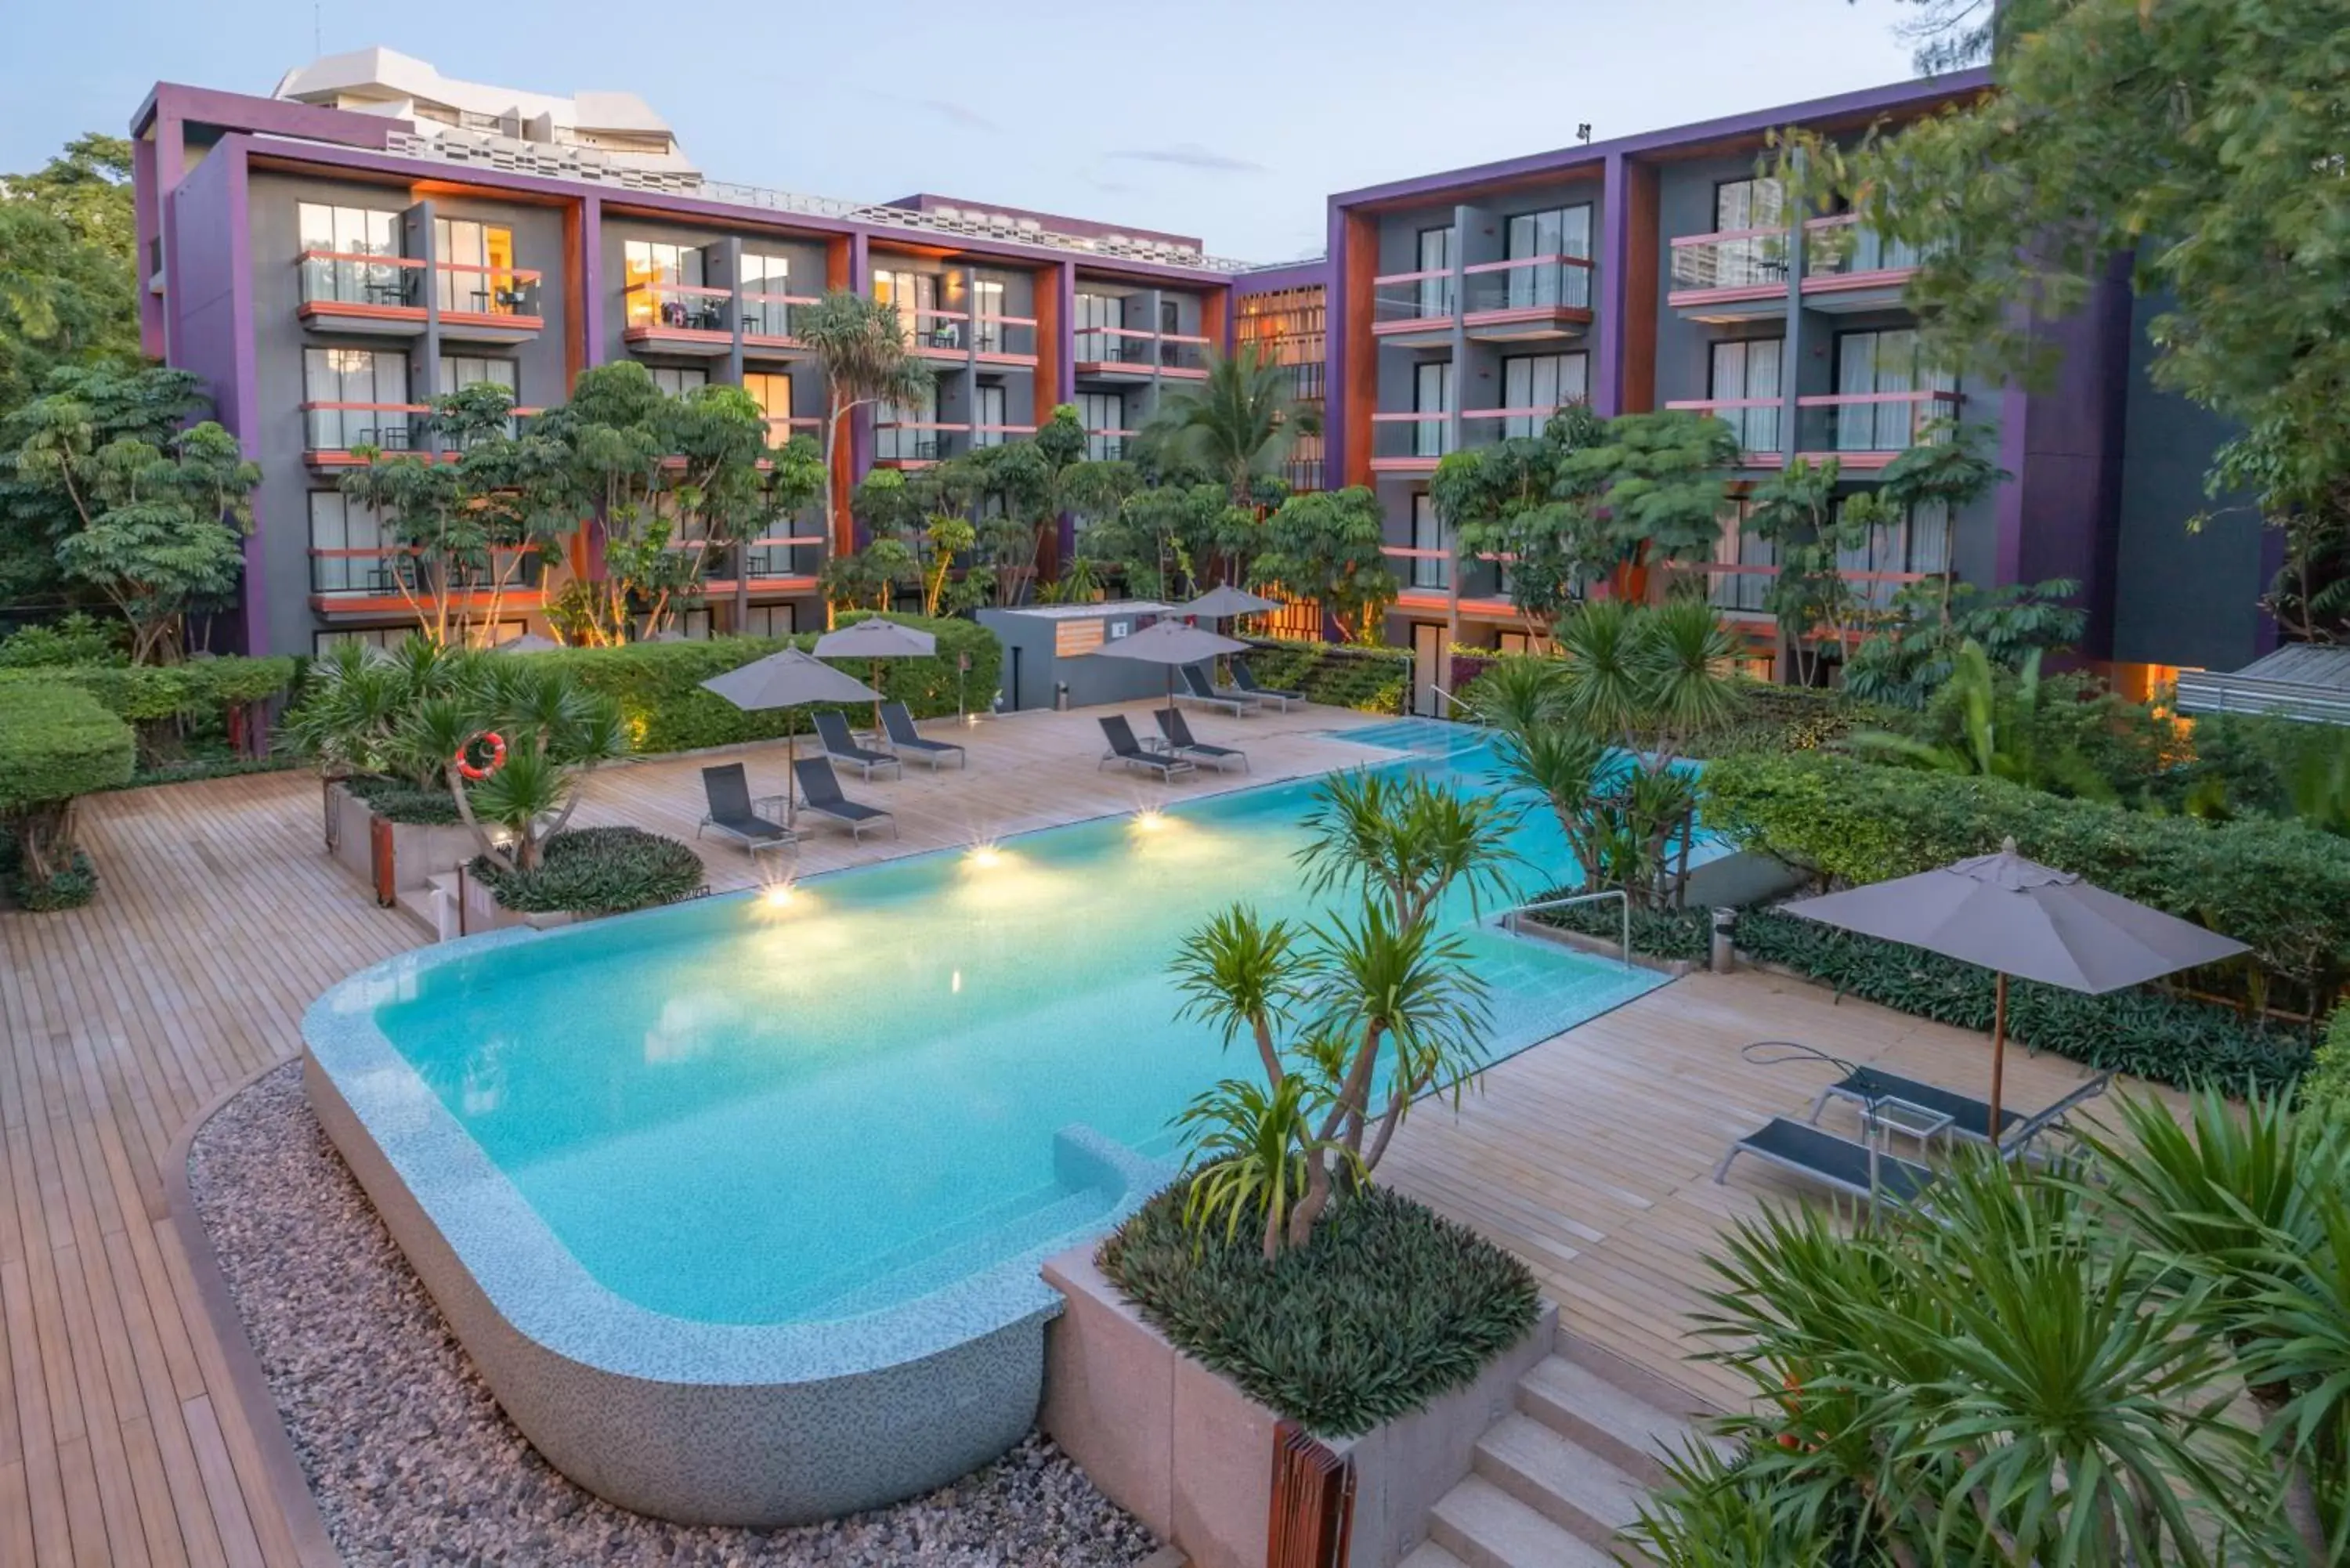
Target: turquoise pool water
731, 1112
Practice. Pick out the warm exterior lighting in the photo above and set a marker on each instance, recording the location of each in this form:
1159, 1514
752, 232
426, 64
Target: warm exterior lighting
779, 896
986, 854
1151, 821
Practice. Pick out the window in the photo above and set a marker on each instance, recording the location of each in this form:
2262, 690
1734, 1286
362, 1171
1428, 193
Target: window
1749, 203
474, 267
988, 417
1554, 232
1747, 591
357, 398
916, 297
1097, 318
693, 625
347, 546
1754, 211
987, 314
1433, 394
1747, 371
767, 620
1875, 364
678, 382
1542, 383
345, 236
773, 395
654, 270
1103, 416
1427, 534
470, 370
1435, 255
765, 281
1170, 316
1919, 543
386, 637
906, 432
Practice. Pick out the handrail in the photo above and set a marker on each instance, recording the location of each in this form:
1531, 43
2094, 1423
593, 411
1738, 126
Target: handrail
1624, 954
1558, 257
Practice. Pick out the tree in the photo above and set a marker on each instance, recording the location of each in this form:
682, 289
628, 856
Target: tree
1505, 502
795, 477
1325, 546
1905, 661
1162, 538
1799, 512
862, 345
2201, 140
56, 744
69, 291
1238, 425
148, 514
1653, 485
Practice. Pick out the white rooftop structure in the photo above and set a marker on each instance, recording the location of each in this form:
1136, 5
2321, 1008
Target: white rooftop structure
617, 127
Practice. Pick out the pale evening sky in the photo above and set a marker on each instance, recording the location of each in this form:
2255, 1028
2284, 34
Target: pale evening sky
1224, 118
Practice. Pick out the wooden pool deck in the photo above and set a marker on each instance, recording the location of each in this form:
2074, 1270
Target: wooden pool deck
123, 1437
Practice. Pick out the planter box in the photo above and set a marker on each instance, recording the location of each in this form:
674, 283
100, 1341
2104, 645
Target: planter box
418, 853
1601, 947
482, 912
1183, 1449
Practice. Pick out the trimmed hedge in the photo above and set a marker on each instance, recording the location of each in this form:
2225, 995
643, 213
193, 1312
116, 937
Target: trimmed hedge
1342, 675
57, 743
145, 693
2326, 1087
658, 685
2281, 886
396, 800
1676, 936
598, 871
1388, 1305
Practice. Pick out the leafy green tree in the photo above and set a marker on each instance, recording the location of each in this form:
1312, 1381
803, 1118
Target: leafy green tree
1902, 663
1239, 425
68, 289
1509, 500
1999, 734
1325, 546
862, 345
1162, 538
1798, 510
1653, 485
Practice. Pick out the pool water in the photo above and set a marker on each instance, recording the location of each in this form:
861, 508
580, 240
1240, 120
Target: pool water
733, 1112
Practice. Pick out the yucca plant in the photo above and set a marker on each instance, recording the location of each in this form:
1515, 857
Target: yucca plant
1250, 1157
1405, 841
1713, 1512
1518, 692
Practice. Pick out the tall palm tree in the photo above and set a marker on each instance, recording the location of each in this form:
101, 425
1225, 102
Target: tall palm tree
862, 345
1239, 424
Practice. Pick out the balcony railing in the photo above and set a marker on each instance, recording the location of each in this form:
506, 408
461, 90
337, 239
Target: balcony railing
1749, 262
1754, 420
345, 283
1115, 345
664, 308
1843, 247
1403, 442
341, 427
1404, 301
1182, 354
768, 316
1868, 429
1532, 284
781, 428
1004, 337
1107, 446
1505, 424
507, 294
938, 331
795, 555
905, 441
392, 571
998, 435
1424, 566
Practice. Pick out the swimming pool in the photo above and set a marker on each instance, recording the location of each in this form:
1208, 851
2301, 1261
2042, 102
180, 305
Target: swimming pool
745, 1145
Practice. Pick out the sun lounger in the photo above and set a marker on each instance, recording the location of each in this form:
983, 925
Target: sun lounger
1969, 1118
1196, 688
736, 816
1181, 740
1124, 748
820, 793
899, 723
1832, 1161
1246, 682
833, 730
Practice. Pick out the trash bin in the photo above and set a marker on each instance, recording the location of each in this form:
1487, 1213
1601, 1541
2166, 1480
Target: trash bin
1061, 696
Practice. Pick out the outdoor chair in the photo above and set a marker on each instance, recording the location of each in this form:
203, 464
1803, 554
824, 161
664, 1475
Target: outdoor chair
820, 793
1245, 682
899, 724
1832, 1161
1181, 740
833, 730
736, 816
1124, 748
1196, 688
1969, 1118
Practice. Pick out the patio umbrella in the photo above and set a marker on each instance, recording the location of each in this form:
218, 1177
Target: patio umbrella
528, 642
874, 640
1171, 643
1223, 602
787, 680
2018, 918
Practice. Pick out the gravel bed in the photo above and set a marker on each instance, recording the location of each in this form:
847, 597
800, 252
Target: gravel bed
413, 1462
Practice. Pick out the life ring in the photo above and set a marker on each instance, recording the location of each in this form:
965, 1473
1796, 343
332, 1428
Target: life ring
497, 745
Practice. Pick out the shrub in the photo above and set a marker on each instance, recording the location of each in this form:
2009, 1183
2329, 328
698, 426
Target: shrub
69, 889
1385, 1306
598, 871
56, 743
77, 638
1676, 936
1374, 679
2281, 887
2166, 1039
2326, 1088
144, 693
396, 800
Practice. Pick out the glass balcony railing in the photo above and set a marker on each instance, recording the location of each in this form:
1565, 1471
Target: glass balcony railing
1755, 420
1483, 425
1009, 334
1844, 247
335, 277
345, 427
463, 289
999, 435
916, 442
1409, 439
1534, 282
1115, 345
938, 331
382, 571
1182, 353
1871, 422
770, 314
1400, 299
787, 557
1109, 446
1749, 258
654, 306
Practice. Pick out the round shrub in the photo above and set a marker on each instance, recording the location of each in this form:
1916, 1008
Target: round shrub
598, 871
69, 889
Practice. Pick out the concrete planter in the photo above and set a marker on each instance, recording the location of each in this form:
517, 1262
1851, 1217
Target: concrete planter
1183, 1449
419, 853
1603, 947
484, 913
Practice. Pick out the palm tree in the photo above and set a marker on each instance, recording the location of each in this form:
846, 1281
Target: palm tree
861, 344
1238, 425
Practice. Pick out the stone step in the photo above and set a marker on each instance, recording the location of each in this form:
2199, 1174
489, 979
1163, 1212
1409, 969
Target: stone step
1566, 1483
1484, 1527
1620, 1425
1429, 1555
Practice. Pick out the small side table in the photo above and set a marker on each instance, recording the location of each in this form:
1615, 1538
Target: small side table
1888, 1116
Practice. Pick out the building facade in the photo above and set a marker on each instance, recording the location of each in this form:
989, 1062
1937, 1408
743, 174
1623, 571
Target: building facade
328, 267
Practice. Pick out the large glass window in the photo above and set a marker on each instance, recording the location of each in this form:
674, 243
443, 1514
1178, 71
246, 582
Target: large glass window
475, 270
987, 314
988, 417
765, 281
1541, 383
1916, 544
1749, 203
358, 398
1103, 416
906, 432
1743, 371
766, 621
1878, 364
347, 547
1553, 232
1735, 545
656, 263
1435, 256
1096, 317
916, 295
472, 371
1433, 394
772, 393
345, 237
677, 381
1427, 534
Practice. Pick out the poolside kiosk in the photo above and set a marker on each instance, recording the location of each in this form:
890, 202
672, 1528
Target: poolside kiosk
1047, 649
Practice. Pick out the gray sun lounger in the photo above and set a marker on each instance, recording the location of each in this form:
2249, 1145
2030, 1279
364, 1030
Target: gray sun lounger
1183, 743
1969, 1118
899, 723
736, 816
1830, 1160
841, 747
820, 793
1246, 682
1196, 688
1124, 748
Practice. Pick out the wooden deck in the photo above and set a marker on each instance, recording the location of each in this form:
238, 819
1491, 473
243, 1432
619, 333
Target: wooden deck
122, 1439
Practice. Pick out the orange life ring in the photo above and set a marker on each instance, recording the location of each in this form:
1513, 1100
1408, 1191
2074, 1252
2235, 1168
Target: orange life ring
497, 745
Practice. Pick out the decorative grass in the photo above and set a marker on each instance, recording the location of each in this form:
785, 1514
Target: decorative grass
1386, 1306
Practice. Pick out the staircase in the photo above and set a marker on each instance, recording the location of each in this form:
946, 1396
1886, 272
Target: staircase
1555, 1478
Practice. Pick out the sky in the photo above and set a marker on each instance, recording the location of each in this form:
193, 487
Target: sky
1225, 120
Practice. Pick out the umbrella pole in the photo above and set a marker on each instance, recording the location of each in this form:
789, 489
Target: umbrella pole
791, 768
876, 701
1998, 1051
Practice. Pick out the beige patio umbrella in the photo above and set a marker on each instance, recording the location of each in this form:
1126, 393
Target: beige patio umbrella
874, 640
528, 642
787, 680
1170, 643
2016, 916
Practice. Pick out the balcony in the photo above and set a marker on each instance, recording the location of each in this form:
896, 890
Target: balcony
1409, 444
781, 428
1869, 430
679, 318
914, 443
1183, 356
370, 293
332, 433
385, 579
1738, 274
1755, 420
1427, 582
1742, 589
767, 324
939, 333
1416, 309
1116, 353
1109, 446
1005, 340
785, 564
487, 303
1481, 426
1528, 299
1849, 266
999, 435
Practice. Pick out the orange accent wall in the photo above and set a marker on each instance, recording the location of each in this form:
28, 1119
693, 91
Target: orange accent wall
835, 262
577, 352
1641, 262
1215, 320
1048, 286
1359, 262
